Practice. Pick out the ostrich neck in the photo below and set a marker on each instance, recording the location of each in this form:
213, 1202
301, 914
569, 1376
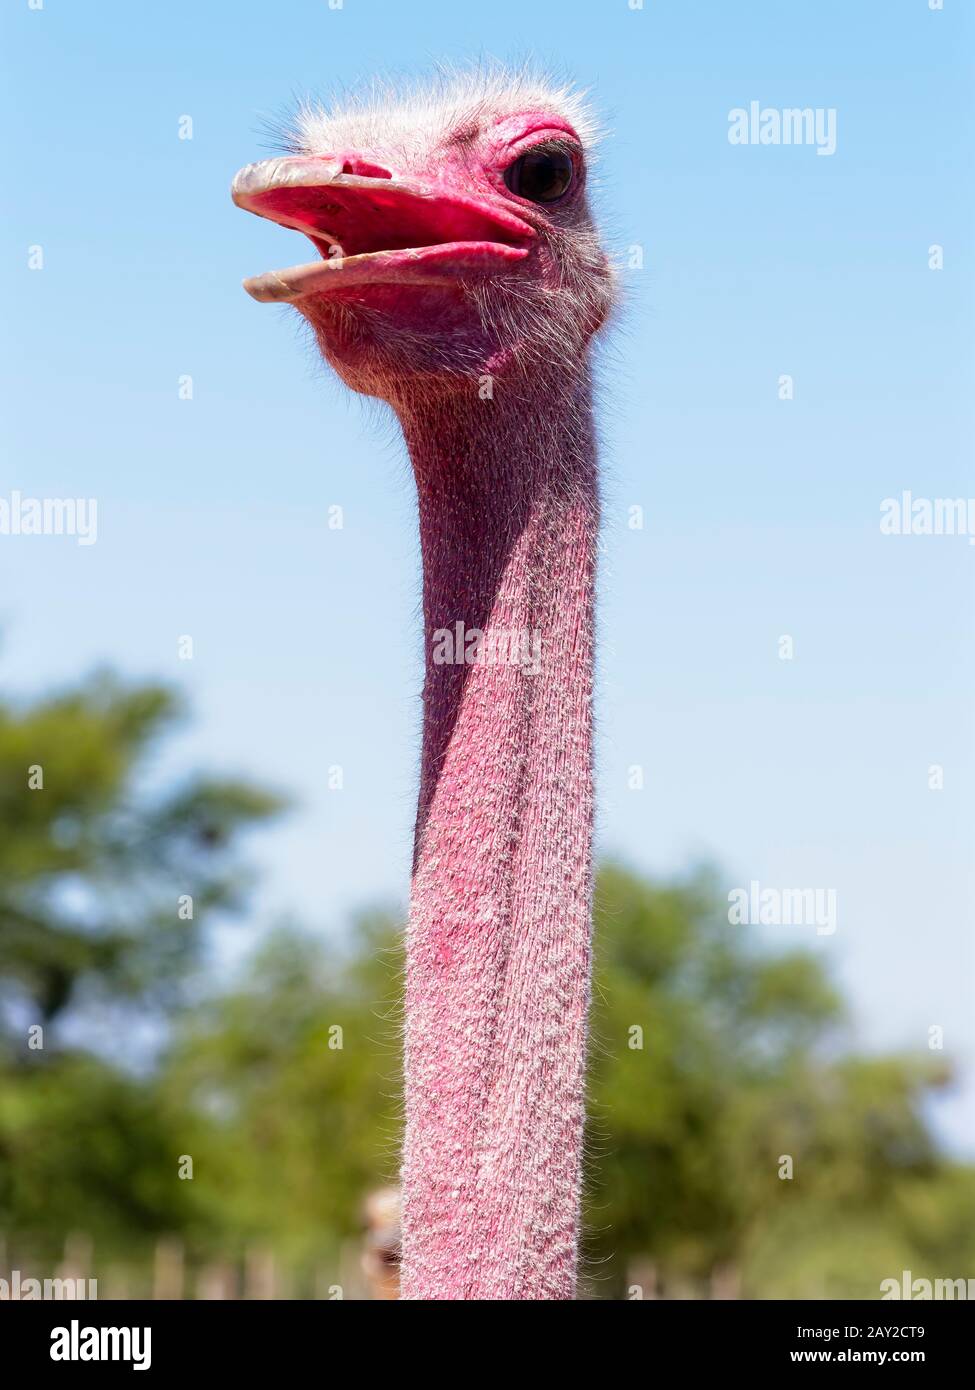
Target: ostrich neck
498, 946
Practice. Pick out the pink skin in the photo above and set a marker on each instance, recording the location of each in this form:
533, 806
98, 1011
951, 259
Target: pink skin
448, 279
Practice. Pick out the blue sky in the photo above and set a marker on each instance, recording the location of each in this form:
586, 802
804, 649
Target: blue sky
761, 515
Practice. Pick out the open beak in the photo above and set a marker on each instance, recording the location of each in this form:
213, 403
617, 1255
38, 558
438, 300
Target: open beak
375, 230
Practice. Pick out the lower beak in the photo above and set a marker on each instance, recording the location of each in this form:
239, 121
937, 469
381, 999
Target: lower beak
375, 230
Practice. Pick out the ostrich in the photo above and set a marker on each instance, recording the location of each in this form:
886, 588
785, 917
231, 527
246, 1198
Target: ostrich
460, 279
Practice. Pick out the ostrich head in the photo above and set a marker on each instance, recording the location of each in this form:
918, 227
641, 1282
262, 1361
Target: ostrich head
453, 233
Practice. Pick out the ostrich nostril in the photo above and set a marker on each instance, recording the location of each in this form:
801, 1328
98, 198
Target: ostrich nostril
364, 168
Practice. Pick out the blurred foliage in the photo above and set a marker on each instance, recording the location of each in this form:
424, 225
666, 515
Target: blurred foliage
105, 888
712, 1059
92, 872
296, 1075
744, 1063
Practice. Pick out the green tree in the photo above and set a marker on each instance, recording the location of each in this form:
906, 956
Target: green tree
104, 883
107, 880
735, 1129
296, 1073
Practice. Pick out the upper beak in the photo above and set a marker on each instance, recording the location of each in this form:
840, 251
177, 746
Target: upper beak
375, 230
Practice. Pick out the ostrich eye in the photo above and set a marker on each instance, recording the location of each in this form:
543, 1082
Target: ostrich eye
542, 175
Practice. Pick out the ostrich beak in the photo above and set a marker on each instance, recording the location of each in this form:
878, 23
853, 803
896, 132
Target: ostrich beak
375, 230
